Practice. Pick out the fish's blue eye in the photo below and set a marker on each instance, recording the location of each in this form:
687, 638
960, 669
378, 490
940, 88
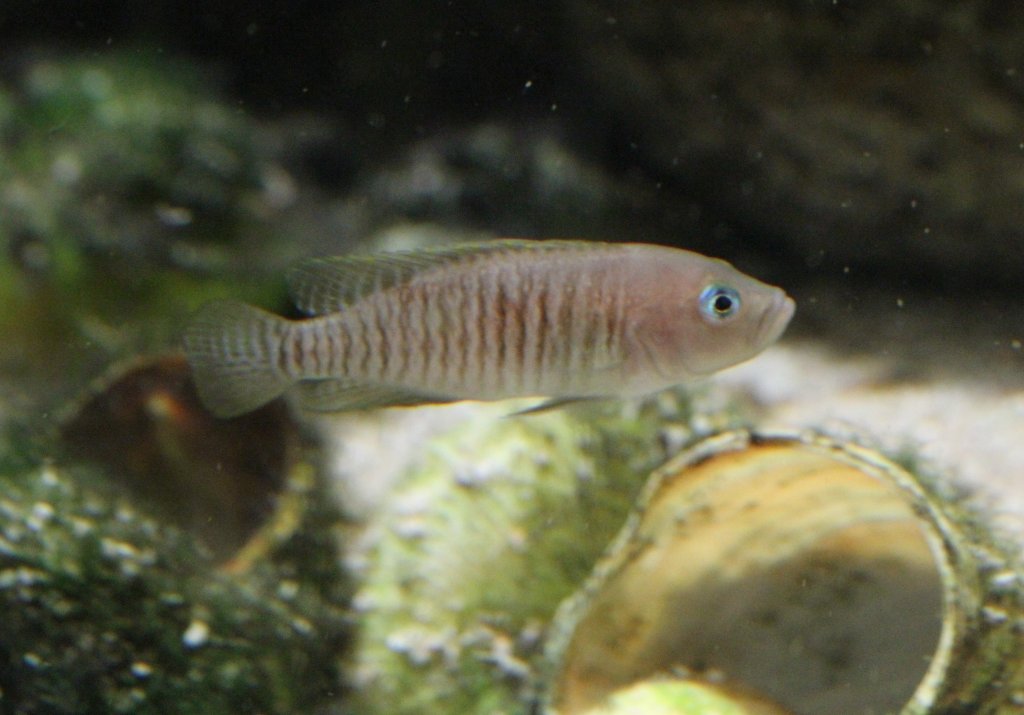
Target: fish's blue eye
718, 302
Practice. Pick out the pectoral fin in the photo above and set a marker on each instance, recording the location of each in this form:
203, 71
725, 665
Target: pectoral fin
555, 403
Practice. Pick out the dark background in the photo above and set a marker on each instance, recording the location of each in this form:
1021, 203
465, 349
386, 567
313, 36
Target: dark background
867, 155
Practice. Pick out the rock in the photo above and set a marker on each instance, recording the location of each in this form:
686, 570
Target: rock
109, 611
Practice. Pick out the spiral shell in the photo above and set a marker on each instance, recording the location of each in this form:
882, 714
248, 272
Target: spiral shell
818, 573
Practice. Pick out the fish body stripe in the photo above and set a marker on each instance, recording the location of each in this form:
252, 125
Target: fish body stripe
587, 321
398, 315
456, 334
433, 322
490, 356
573, 309
291, 354
470, 346
498, 336
532, 322
330, 341
378, 317
515, 336
322, 348
483, 321
483, 281
607, 321
496, 330
419, 318
366, 347
550, 306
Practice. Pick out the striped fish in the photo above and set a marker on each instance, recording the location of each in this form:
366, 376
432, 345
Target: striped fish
485, 321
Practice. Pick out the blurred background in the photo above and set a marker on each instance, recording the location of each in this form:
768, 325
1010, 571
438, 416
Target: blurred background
869, 156
866, 155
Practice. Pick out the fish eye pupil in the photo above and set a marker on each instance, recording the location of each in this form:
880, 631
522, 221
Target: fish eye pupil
722, 304
719, 302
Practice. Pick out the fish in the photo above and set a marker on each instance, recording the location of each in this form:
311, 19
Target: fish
562, 319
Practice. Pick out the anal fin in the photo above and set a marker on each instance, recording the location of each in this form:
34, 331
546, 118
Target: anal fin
346, 395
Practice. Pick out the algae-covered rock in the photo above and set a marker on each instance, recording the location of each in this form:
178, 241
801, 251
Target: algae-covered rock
494, 524
494, 578
801, 568
124, 184
127, 154
108, 611
681, 697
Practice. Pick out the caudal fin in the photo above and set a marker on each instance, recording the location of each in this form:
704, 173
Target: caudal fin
231, 347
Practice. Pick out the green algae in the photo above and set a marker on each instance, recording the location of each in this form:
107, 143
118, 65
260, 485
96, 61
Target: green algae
499, 521
108, 611
130, 194
680, 697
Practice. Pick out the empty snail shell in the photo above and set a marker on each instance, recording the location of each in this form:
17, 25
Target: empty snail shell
817, 573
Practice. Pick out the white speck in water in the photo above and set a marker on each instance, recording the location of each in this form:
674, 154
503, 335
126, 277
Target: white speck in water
196, 635
411, 528
1004, 581
141, 670
97, 84
114, 549
287, 590
674, 437
899, 303
302, 626
419, 644
66, 169
32, 660
1015, 344
48, 476
173, 216
279, 187
42, 512
79, 526
994, 615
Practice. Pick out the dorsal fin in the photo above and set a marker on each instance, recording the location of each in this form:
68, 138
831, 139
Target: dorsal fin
325, 285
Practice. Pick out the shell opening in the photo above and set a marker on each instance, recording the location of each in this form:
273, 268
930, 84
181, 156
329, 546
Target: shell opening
807, 574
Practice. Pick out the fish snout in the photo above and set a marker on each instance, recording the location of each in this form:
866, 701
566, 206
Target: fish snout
775, 319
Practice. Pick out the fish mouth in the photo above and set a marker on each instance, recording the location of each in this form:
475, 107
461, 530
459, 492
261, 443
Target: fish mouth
775, 319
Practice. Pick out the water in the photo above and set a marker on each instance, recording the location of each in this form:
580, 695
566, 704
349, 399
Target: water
866, 157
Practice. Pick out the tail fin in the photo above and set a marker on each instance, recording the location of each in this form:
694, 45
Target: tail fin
232, 347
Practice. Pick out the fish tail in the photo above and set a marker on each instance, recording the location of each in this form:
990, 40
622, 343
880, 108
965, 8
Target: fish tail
231, 347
